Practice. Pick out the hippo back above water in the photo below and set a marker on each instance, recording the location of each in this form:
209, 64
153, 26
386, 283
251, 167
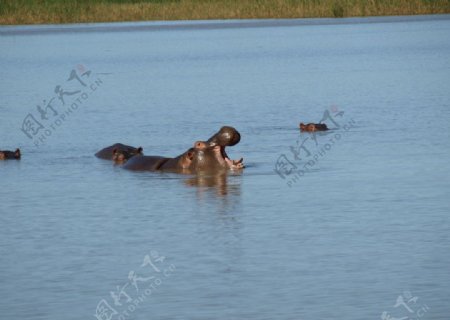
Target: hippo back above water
122, 156
118, 151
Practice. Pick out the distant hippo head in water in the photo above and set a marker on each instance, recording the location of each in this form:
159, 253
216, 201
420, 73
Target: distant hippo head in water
204, 156
312, 127
10, 155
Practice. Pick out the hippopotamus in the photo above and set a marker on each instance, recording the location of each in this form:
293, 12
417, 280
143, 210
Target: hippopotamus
8, 155
312, 127
204, 156
119, 152
121, 156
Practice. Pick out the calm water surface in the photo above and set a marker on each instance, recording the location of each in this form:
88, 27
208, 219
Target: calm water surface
365, 226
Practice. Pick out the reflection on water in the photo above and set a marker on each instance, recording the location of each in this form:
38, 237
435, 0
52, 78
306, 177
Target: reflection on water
214, 184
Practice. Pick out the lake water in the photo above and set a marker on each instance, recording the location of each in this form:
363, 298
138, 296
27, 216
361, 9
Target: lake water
356, 227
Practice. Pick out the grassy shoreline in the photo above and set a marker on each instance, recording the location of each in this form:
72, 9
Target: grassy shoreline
13, 12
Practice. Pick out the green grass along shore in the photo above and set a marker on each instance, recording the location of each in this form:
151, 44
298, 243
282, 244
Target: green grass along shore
13, 12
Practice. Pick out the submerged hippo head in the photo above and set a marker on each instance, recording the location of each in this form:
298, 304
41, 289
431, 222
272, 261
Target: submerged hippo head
5, 155
321, 127
120, 156
312, 127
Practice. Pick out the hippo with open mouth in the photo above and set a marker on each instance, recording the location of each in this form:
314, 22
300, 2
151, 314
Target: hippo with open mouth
204, 156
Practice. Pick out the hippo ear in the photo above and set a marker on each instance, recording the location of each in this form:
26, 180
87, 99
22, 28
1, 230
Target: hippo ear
17, 153
114, 151
139, 150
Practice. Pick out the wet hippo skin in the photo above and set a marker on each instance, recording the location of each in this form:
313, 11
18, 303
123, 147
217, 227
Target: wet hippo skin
127, 151
122, 156
204, 156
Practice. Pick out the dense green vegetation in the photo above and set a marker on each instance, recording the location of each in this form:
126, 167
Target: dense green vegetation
71, 11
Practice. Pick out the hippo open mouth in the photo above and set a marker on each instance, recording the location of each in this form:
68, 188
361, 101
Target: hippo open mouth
226, 136
223, 158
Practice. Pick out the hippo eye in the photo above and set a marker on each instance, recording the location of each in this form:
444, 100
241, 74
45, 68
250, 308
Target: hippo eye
200, 145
